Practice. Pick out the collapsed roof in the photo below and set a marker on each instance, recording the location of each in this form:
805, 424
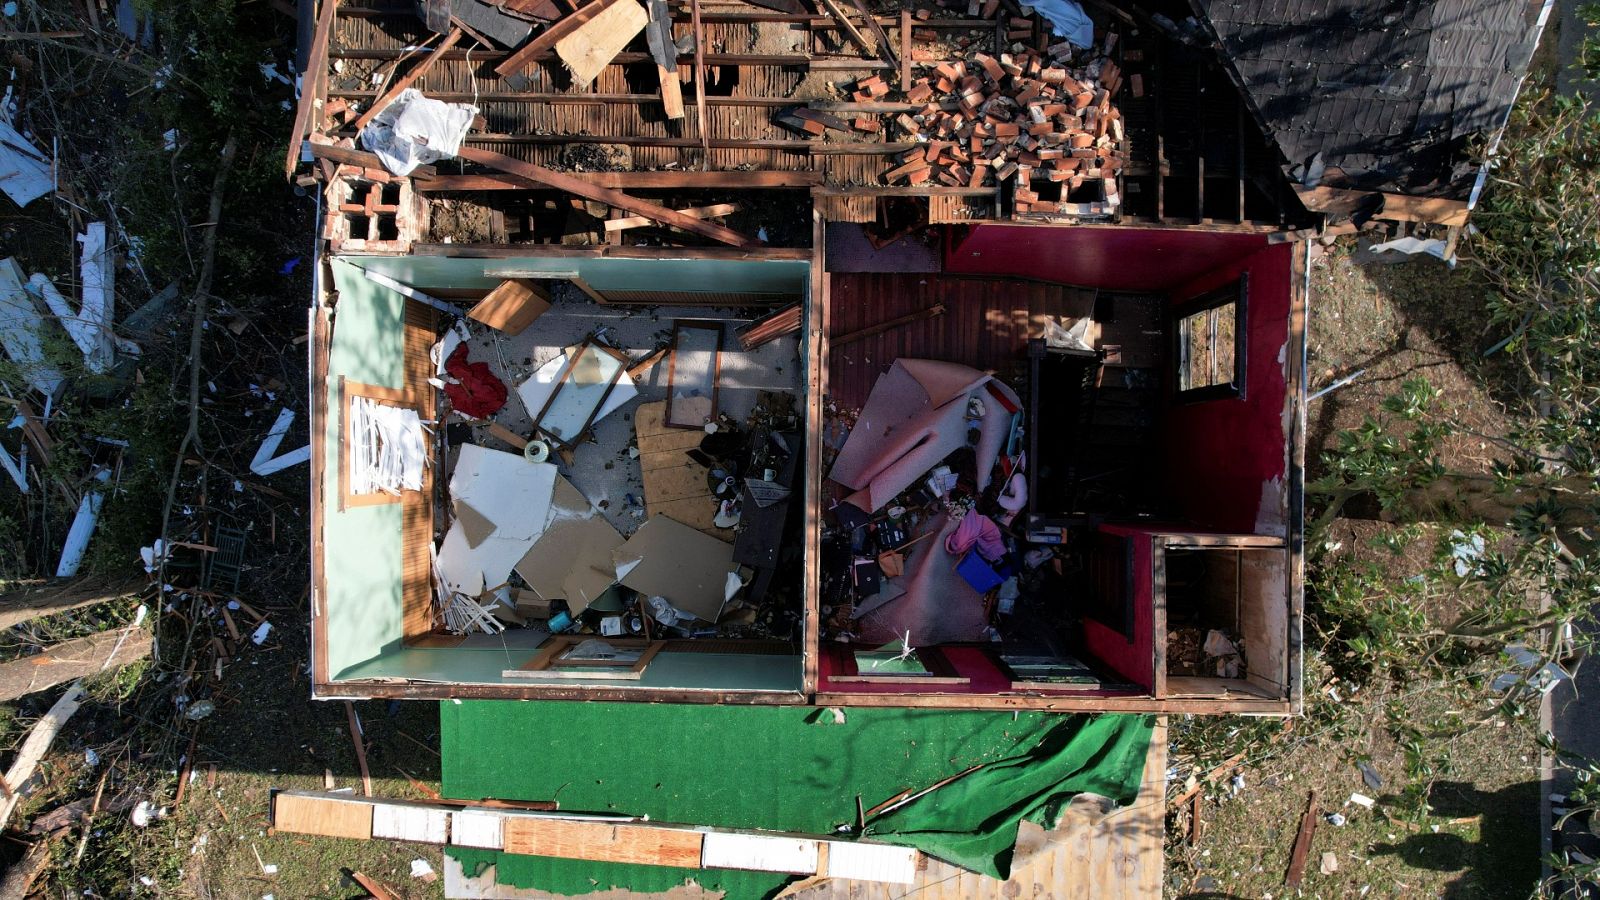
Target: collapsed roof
1392, 96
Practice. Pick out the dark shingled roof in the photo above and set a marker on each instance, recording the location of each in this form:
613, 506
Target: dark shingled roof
1391, 92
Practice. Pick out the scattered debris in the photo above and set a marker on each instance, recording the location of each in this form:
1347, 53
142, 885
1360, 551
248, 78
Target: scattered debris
266, 461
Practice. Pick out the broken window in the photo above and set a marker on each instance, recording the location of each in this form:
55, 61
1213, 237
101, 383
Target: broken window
1210, 338
384, 444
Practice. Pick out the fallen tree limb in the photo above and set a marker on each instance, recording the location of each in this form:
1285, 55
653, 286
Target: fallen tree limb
33, 749
197, 327
77, 658
21, 876
538, 176
28, 603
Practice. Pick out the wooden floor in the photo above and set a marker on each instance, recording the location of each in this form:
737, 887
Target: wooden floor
986, 324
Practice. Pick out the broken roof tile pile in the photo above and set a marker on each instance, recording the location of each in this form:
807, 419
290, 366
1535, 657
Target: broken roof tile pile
1391, 95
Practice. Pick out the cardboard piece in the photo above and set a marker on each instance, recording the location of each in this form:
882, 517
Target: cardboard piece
473, 523
512, 307
692, 570
571, 561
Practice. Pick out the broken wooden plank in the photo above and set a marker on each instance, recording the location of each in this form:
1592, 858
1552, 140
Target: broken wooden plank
589, 48
856, 37
357, 736
701, 122
512, 306
1302, 842
77, 658
849, 337
548, 38
316, 63
410, 78
885, 52
699, 212
378, 891
770, 327
663, 49
353, 157
539, 176
38, 741
669, 179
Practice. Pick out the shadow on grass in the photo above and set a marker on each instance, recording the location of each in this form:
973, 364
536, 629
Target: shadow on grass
1502, 862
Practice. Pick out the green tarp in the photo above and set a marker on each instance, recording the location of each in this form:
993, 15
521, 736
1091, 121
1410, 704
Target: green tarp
782, 769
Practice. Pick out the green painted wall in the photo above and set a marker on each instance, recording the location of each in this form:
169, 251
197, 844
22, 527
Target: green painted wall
362, 556
691, 671
604, 274
362, 544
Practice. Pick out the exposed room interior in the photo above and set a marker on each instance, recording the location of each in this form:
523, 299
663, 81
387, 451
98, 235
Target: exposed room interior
1137, 472
580, 454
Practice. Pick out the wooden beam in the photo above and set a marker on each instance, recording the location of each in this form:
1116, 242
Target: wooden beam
68, 660
671, 92
1302, 843
714, 211
905, 49
546, 40
316, 63
408, 79
1396, 207
700, 84
885, 48
856, 37
352, 157
542, 177
603, 838
672, 180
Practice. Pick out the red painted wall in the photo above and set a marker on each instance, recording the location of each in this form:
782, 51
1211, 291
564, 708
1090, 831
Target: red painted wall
1132, 659
1219, 453
1117, 258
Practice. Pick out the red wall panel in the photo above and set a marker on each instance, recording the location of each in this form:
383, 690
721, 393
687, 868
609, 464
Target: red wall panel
1220, 454
1132, 659
1116, 258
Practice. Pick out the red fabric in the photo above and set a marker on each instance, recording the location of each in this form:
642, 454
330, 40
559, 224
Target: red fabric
478, 394
977, 530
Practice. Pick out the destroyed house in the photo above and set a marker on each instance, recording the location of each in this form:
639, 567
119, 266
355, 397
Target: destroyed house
935, 355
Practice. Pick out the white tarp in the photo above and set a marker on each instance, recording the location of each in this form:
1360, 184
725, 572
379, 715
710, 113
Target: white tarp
415, 130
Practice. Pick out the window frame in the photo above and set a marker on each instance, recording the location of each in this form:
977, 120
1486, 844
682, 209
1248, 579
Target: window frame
1237, 293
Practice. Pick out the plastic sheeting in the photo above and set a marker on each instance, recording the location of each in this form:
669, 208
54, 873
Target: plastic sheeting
780, 768
415, 130
1069, 19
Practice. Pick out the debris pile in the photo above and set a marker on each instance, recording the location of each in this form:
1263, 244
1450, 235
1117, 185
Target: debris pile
1042, 117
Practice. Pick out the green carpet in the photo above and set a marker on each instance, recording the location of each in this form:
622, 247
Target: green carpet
781, 769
